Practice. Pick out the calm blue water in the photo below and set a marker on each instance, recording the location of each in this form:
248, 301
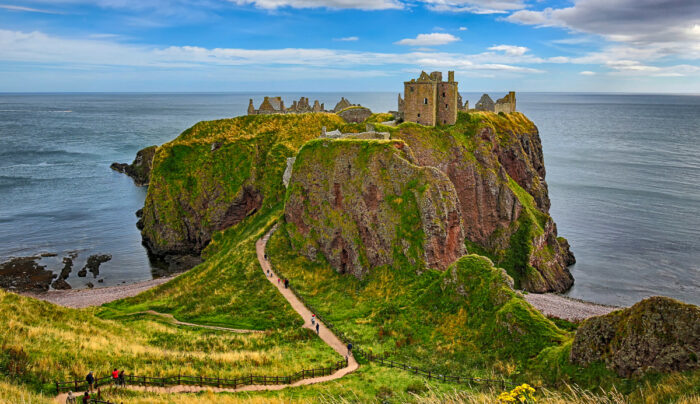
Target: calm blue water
623, 172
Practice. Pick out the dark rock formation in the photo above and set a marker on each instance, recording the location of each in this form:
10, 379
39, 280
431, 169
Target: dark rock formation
24, 274
61, 283
93, 264
658, 333
140, 169
355, 114
363, 203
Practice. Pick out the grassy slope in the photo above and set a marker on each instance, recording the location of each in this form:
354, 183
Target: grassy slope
42, 342
422, 318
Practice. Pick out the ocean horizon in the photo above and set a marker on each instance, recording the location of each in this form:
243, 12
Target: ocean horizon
623, 171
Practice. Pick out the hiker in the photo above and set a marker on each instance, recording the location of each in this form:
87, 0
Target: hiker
86, 398
286, 283
313, 319
115, 377
279, 280
90, 379
122, 382
317, 328
349, 349
70, 399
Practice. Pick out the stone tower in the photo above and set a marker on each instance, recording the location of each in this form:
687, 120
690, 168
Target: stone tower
430, 101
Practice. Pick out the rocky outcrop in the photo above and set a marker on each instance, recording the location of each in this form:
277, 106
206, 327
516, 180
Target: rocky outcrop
355, 114
365, 203
657, 334
140, 169
25, 274
512, 225
61, 283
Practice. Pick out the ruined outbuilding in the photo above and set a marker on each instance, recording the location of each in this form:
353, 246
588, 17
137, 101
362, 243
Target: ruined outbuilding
505, 104
275, 105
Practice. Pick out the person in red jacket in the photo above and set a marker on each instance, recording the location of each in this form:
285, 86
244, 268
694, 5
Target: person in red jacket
115, 376
86, 398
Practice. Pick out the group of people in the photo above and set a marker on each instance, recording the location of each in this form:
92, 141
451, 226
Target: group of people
118, 379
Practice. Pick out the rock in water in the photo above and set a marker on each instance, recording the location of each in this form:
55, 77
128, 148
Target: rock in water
24, 274
140, 169
93, 264
362, 203
658, 333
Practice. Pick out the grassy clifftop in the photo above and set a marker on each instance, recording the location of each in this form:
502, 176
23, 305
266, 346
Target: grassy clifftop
217, 173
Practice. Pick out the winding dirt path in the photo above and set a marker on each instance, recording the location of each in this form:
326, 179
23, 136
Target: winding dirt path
324, 333
175, 321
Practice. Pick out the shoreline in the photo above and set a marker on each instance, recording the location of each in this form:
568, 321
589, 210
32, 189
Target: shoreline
550, 304
567, 308
82, 298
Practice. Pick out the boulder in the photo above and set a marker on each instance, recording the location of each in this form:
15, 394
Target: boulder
657, 334
355, 114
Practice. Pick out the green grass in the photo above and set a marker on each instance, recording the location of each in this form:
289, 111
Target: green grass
462, 320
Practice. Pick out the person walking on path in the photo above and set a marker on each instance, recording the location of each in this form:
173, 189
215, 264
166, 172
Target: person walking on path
279, 280
286, 283
121, 378
318, 329
70, 399
313, 319
86, 398
90, 379
115, 377
349, 348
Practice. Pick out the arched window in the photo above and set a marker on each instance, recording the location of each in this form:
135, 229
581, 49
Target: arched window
425, 101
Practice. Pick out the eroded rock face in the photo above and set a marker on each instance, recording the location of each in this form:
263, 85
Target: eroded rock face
140, 169
365, 203
658, 333
491, 210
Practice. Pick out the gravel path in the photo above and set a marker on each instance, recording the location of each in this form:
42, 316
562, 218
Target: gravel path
324, 333
80, 298
553, 305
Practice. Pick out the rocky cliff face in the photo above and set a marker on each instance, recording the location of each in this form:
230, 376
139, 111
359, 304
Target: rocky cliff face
365, 203
215, 175
140, 169
495, 163
657, 334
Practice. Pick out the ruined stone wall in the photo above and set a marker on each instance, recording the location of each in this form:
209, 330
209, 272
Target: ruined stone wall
446, 103
419, 102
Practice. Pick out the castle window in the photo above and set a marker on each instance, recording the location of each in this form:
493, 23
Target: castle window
443, 94
446, 106
444, 121
411, 88
425, 101
418, 115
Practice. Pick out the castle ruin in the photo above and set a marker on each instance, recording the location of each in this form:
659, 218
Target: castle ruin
275, 105
430, 101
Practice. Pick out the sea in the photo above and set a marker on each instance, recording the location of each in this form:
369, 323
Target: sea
623, 173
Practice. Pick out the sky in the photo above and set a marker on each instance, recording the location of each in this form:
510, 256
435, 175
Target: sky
648, 46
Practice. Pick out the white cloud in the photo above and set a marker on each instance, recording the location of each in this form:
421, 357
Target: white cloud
510, 49
474, 6
106, 55
587, 73
462, 28
333, 4
348, 39
434, 39
27, 9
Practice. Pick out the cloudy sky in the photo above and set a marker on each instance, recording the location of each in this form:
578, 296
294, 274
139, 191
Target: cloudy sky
342, 45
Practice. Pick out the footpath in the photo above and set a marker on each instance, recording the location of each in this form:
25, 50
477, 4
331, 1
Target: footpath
324, 333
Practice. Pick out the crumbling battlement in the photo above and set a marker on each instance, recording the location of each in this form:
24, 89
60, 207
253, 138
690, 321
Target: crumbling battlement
275, 105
